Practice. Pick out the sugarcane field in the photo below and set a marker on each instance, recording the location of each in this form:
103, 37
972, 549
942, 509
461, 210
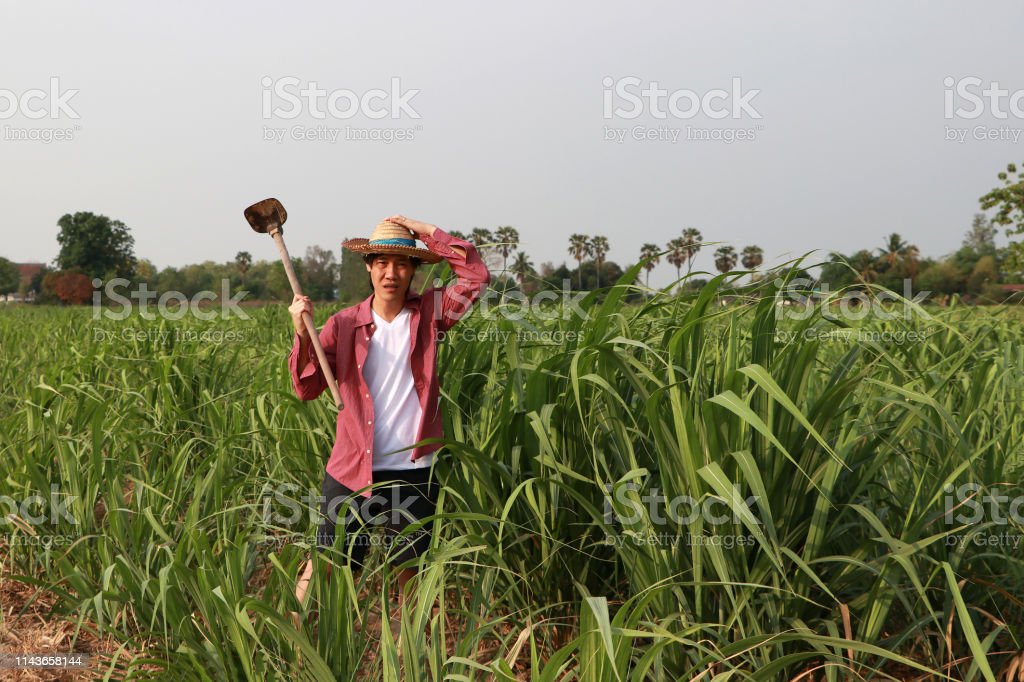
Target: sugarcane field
459, 342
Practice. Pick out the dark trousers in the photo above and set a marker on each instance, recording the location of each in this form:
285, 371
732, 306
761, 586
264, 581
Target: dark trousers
399, 497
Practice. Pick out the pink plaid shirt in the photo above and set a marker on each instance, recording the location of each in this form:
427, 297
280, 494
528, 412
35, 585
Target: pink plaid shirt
346, 339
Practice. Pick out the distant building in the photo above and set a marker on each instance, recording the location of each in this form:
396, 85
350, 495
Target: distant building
27, 271
1014, 290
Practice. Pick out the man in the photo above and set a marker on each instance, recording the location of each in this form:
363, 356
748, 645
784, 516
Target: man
383, 352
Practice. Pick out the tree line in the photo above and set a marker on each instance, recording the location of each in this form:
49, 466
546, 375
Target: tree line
96, 247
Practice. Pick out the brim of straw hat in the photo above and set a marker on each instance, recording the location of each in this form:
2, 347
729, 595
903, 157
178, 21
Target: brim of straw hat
367, 246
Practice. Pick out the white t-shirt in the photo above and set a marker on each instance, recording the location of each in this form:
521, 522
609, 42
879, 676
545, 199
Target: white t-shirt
396, 406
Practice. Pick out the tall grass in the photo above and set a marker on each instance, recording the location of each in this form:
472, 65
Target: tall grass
834, 456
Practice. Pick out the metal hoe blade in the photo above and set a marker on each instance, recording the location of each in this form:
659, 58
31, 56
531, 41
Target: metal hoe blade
266, 216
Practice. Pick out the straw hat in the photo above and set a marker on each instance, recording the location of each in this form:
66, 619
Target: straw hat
389, 237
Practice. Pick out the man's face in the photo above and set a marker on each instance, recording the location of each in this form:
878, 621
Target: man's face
391, 276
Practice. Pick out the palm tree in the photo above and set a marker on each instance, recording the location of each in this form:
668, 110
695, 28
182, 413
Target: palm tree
598, 248
692, 239
649, 252
480, 236
458, 235
910, 258
579, 246
521, 267
508, 238
725, 259
894, 249
752, 257
243, 261
676, 254
863, 262
896, 252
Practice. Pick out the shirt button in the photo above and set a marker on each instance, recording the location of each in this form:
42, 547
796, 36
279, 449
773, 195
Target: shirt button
358, 366
367, 451
367, 395
369, 421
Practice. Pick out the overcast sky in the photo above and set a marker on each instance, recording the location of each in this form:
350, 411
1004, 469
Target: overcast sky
845, 136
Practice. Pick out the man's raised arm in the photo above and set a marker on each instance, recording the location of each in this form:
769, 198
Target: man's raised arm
471, 273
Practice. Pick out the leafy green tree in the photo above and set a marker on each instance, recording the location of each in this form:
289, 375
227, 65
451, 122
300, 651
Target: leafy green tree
985, 272
170, 279
865, 266
1008, 201
145, 271
278, 288
965, 259
95, 245
353, 281
320, 274
200, 277
836, 273
982, 235
588, 275
943, 278
256, 280
554, 278
10, 278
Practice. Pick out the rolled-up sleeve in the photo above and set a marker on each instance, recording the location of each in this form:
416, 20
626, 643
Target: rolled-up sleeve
471, 273
311, 382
